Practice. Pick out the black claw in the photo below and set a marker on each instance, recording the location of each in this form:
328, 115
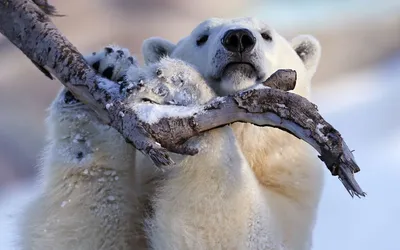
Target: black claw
120, 52
120, 79
108, 72
108, 50
140, 83
96, 65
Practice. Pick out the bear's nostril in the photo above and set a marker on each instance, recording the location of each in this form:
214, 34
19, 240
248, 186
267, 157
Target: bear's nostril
238, 40
247, 41
233, 41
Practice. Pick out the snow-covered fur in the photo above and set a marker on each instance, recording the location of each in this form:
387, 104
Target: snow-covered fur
89, 199
235, 54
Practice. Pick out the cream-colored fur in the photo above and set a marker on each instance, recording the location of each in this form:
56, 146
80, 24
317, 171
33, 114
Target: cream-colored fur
211, 200
289, 173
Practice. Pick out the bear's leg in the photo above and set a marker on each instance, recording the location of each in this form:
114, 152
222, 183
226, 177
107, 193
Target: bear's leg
89, 200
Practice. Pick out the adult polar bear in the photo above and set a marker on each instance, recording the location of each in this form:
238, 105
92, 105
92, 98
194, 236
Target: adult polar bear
232, 55
217, 199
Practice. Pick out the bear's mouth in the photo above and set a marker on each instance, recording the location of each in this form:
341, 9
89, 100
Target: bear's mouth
245, 69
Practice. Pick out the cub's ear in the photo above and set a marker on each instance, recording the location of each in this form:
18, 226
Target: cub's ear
155, 48
309, 50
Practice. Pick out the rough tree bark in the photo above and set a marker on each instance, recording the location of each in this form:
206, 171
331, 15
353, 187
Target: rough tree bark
27, 25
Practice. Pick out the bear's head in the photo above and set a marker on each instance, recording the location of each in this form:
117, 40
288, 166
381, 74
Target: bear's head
235, 54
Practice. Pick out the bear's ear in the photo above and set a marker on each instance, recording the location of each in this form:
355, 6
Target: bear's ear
155, 48
309, 50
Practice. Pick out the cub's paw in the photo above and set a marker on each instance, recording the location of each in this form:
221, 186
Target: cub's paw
112, 62
170, 81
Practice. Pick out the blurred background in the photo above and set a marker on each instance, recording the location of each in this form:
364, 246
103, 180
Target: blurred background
356, 89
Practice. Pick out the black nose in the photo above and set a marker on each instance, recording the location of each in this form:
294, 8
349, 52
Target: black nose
238, 40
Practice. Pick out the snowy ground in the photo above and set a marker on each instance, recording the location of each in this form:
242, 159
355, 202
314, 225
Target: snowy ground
363, 107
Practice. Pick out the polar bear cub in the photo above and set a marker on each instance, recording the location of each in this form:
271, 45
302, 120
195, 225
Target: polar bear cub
88, 199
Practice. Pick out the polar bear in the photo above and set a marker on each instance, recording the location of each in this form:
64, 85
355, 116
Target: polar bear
248, 188
233, 55
88, 198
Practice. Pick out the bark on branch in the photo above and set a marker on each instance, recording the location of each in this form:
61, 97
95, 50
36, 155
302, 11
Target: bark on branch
26, 24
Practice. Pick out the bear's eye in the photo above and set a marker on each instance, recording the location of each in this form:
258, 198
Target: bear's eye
266, 36
202, 40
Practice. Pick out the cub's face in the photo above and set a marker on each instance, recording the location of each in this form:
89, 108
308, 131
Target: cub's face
235, 54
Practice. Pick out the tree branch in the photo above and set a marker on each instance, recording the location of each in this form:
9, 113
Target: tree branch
27, 27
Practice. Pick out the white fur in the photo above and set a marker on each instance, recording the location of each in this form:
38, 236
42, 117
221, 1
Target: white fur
211, 200
248, 188
289, 174
89, 200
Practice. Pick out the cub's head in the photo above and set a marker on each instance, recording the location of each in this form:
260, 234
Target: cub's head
235, 54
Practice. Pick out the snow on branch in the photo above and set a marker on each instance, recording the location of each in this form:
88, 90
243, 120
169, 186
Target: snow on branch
27, 25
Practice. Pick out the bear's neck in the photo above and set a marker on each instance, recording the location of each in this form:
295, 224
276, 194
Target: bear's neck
218, 151
281, 162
